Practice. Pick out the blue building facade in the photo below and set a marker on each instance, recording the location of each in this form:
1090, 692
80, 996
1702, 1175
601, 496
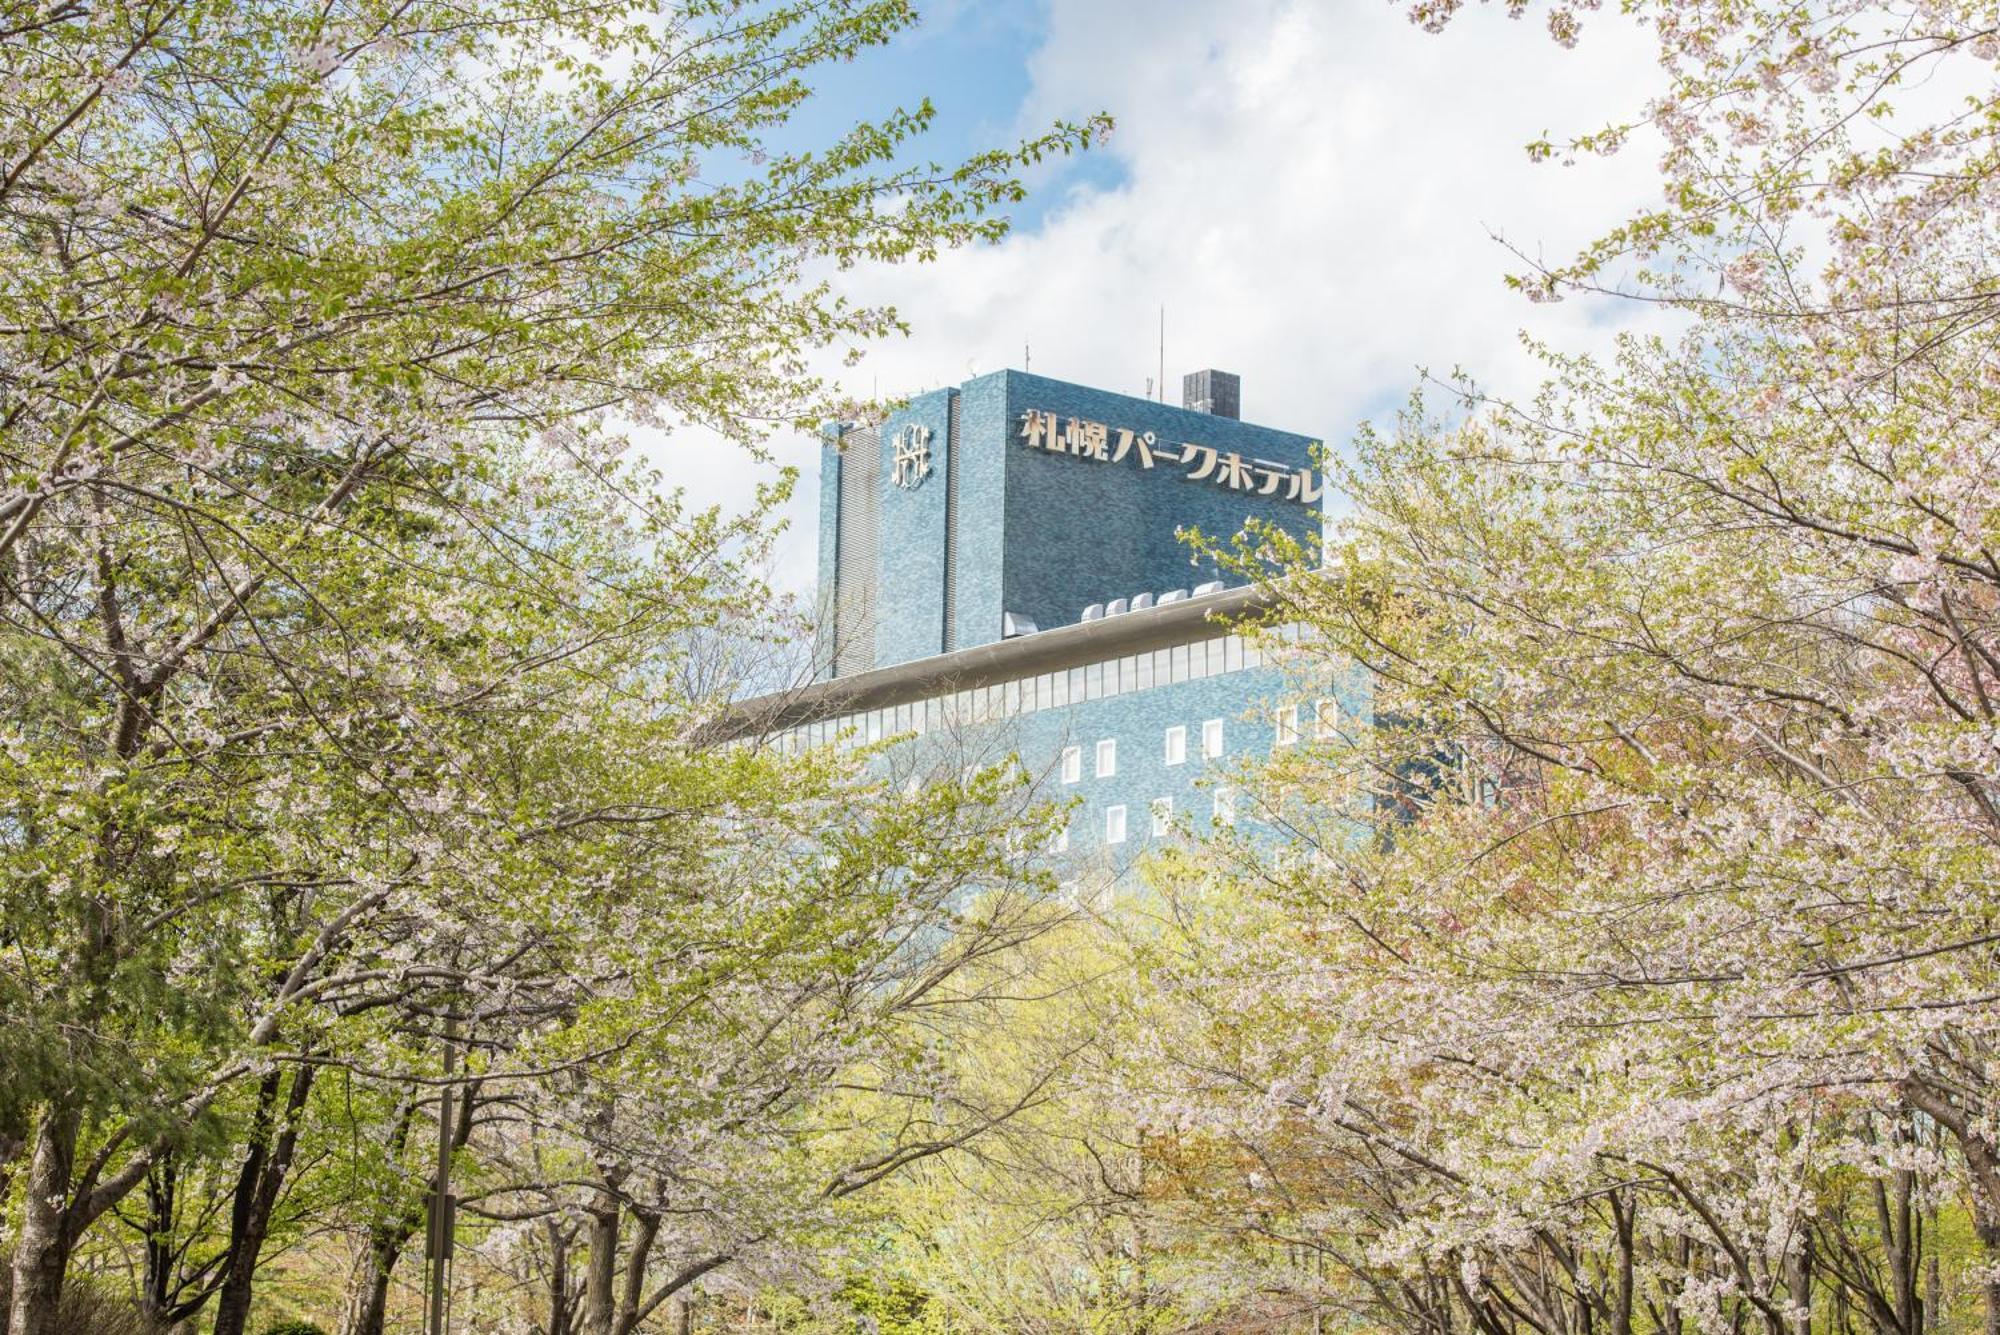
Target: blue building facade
1005, 561
1015, 503
1142, 722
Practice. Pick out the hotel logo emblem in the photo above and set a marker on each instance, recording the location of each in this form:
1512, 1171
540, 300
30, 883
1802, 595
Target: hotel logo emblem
912, 460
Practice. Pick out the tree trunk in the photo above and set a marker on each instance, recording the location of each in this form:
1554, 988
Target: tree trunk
1988, 1228
265, 1165
41, 1250
1622, 1218
1798, 1281
1902, 1246
600, 1286
162, 1185
1982, 1164
1671, 1289
560, 1313
11, 1146
368, 1288
636, 1262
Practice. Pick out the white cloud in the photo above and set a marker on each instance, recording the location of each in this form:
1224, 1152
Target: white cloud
1307, 187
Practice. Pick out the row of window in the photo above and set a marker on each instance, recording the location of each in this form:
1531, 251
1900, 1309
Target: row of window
1049, 690
1326, 720
1222, 810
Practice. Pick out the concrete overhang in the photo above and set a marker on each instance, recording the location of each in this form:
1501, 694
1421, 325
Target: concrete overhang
1157, 627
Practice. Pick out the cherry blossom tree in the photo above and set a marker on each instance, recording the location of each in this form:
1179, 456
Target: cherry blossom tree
1633, 962
343, 670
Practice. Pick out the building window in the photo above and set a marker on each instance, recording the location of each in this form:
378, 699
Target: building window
1326, 719
1061, 844
1072, 764
1114, 825
1107, 757
1176, 745
1288, 725
1163, 815
1211, 739
1225, 806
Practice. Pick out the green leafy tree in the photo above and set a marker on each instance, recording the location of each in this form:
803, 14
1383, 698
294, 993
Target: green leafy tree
320, 327
1631, 967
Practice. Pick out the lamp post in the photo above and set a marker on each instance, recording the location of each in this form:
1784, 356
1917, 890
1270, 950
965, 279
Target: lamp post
442, 1205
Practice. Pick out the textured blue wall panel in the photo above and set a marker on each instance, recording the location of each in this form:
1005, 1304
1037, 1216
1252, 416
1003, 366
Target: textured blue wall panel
1245, 701
909, 602
982, 509
1081, 531
829, 549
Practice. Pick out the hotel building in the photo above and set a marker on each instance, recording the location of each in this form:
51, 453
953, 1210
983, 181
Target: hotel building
1008, 556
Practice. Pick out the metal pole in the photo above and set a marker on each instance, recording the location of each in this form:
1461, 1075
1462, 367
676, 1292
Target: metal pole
438, 1240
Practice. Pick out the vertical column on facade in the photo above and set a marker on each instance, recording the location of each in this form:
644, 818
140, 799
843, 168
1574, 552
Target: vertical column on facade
951, 471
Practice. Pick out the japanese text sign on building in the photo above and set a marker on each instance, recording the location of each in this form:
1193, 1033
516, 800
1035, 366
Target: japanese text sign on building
1197, 463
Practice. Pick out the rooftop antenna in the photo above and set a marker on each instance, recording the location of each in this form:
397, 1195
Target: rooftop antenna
1163, 352
1027, 357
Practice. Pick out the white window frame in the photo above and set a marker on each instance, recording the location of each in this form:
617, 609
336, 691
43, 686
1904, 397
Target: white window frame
1163, 815
1114, 824
1072, 764
1174, 751
1223, 812
1326, 719
1211, 739
1107, 758
1288, 726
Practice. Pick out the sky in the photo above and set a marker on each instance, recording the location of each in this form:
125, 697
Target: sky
1311, 188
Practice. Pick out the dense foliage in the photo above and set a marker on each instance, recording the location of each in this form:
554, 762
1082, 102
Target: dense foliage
1629, 965
353, 691
1633, 967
